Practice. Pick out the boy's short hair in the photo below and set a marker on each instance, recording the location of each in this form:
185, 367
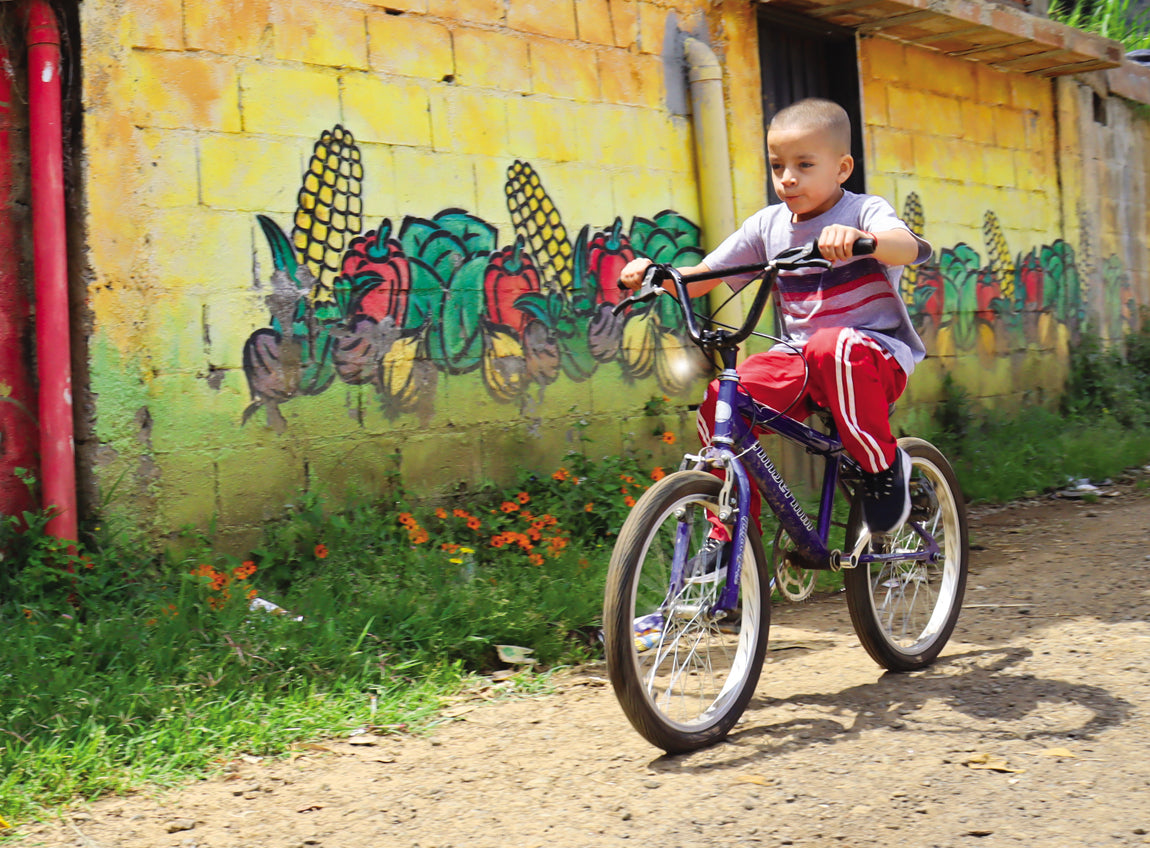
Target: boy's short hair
818, 115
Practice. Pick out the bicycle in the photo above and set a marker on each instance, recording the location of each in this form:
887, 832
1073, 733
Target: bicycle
685, 651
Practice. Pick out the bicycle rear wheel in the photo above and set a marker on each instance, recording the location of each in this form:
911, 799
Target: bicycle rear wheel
683, 675
905, 611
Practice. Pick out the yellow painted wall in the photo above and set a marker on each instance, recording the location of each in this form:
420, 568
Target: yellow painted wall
202, 116
235, 152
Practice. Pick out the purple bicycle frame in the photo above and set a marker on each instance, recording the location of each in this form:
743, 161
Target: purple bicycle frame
735, 448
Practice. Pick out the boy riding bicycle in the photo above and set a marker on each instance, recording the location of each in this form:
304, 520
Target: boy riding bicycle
852, 345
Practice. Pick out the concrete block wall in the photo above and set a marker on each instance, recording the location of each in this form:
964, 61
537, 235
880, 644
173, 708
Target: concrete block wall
201, 116
205, 121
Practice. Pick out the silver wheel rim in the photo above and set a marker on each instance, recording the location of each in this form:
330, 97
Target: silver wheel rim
697, 667
912, 601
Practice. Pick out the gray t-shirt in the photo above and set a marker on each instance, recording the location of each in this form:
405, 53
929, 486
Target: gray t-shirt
861, 293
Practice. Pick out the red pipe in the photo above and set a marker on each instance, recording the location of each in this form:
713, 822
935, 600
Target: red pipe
49, 251
17, 396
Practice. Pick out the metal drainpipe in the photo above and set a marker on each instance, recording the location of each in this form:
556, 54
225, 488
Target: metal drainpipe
49, 250
712, 155
18, 434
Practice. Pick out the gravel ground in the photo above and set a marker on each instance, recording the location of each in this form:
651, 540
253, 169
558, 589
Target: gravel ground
1033, 728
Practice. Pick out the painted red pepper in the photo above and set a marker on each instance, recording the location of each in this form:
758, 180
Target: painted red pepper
608, 252
510, 274
377, 274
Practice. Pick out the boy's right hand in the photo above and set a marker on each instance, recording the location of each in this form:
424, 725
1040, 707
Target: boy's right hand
631, 276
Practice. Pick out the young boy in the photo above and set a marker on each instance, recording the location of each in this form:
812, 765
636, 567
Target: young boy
849, 320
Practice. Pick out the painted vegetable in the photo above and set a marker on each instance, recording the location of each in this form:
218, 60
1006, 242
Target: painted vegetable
510, 274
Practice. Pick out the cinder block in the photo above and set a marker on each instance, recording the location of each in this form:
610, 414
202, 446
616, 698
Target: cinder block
185, 493
564, 70
386, 111
978, 120
625, 22
167, 169
154, 24
248, 173
436, 463
893, 150
247, 22
192, 250
875, 94
378, 182
934, 72
554, 18
631, 79
998, 167
181, 91
593, 21
608, 136
314, 95
475, 11
883, 59
666, 141
468, 121
652, 25
246, 498
491, 195
993, 87
544, 129
1010, 128
360, 465
409, 46
420, 6
486, 59
319, 34
427, 182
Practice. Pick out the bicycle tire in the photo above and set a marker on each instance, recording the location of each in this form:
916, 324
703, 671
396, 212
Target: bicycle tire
904, 612
689, 688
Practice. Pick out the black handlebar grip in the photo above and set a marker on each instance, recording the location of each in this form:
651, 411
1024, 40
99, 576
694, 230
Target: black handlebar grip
864, 246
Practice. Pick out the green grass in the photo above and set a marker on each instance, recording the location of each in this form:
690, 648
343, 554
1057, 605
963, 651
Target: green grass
1114, 19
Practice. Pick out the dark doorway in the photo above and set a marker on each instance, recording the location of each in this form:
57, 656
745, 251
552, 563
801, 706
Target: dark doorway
802, 57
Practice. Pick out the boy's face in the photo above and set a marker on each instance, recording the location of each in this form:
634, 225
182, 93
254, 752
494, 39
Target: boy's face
807, 171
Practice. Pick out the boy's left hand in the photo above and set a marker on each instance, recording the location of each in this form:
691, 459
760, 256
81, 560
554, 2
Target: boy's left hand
837, 241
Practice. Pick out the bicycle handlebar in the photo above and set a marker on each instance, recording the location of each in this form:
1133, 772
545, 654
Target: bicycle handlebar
803, 256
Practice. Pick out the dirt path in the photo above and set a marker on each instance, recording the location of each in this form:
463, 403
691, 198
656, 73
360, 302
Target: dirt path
1032, 729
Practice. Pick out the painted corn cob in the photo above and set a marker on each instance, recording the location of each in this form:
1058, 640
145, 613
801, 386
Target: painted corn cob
536, 219
329, 208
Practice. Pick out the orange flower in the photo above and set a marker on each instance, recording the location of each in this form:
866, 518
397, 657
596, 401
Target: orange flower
244, 571
536, 559
450, 547
509, 506
560, 475
626, 479
658, 473
474, 523
406, 518
669, 437
28, 613
151, 622
498, 541
321, 551
441, 513
629, 501
461, 513
589, 507
251, 593
523, 497
418, 535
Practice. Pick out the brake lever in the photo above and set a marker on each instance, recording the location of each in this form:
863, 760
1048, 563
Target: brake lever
646, 291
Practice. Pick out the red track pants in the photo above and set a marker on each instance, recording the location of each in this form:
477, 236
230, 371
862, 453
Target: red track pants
850, 374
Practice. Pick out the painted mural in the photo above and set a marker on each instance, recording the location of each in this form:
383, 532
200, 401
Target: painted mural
1005, 302
398, 307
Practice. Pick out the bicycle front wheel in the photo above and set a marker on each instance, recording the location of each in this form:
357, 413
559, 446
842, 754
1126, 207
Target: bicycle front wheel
683, 674
905, 610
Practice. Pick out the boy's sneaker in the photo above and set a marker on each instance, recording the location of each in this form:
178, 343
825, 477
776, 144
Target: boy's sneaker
886, 495
708, 559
